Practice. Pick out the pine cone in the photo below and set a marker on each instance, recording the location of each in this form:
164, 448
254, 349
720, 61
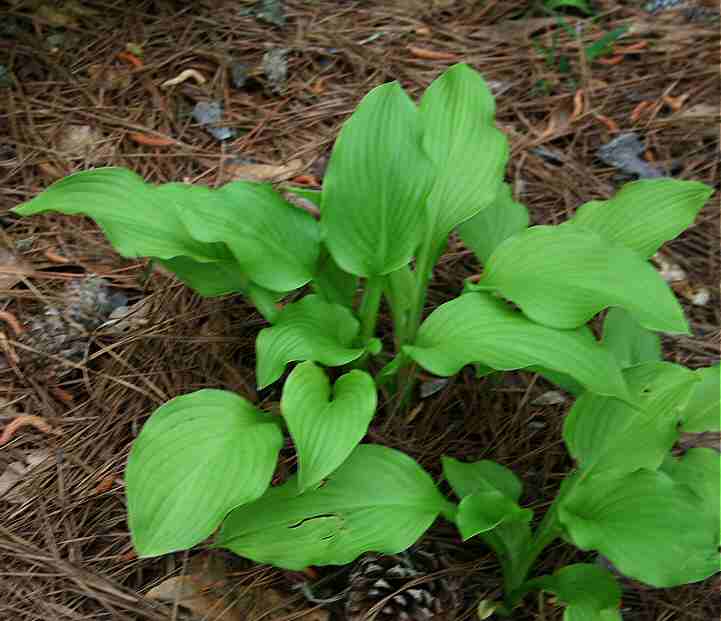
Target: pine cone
65, 331
379, 580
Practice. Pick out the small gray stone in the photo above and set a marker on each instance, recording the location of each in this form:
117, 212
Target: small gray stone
275, 67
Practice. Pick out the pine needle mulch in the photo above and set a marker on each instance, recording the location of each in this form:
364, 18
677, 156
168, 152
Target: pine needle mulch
79, 96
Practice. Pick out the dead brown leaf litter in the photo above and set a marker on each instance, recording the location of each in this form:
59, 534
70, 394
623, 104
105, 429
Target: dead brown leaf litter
75, 102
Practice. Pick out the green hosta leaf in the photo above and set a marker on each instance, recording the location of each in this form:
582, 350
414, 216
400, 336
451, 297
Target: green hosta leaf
379, 499
484, 232
208, 279
481, 476
198, 456
470, 154
589, 592
333, 284
562, 380
484, 511
703, 410
139, 220
275, 243
604, 434
310, 329
563, 276
629, 342
377, 182
700, 469
645, 214
399, 291
477, 327
649, 526
326, 427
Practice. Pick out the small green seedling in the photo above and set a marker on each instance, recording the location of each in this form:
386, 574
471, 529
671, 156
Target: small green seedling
400, 180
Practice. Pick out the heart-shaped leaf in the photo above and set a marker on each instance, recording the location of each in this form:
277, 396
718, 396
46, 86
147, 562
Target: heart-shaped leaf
275, 243
485, 231
700, 469
563, 276
310, 329
703, 410
376, 185
589, 592
604, 434
325, 427
645, 214
379, 500
649, 526
470, 154
198, 456
477, 327
629, 342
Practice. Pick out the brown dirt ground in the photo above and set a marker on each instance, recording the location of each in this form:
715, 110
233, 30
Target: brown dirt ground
65, 552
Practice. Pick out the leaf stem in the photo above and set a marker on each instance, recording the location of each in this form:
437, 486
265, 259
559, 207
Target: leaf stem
369, 307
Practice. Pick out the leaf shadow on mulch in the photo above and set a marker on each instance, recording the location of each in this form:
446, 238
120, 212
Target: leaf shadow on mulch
65, 552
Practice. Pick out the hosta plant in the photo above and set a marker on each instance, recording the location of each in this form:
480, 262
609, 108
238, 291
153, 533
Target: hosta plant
402, 177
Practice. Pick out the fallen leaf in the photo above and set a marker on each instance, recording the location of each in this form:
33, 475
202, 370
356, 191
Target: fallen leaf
189, 593
263, 172
16, 472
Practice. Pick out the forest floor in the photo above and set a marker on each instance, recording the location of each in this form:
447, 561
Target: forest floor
85, 85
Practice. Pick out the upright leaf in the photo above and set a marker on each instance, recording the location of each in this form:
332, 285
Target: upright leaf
589, 592
485, 231
630, 343
477, 327
470, 154
703, 410
563, 276
467, 478
645, 214
377, 182
139, 220
651, 527
605, 435
310, 329
379, 499
275, 243
484, 511
198, 456
325, 427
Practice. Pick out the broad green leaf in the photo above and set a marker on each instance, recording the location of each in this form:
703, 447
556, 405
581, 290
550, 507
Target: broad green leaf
208, 279
310, 329
703, 410
481, 476
333, 284
700, 469
649, 526
275, 243
484, 232
484, 511
562, 276
477, 327
325, 424
470, 153
379, 500
197, 457
139, 220
605, 435
376, 185
645, 214
629, 342
562, 380
589, 592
